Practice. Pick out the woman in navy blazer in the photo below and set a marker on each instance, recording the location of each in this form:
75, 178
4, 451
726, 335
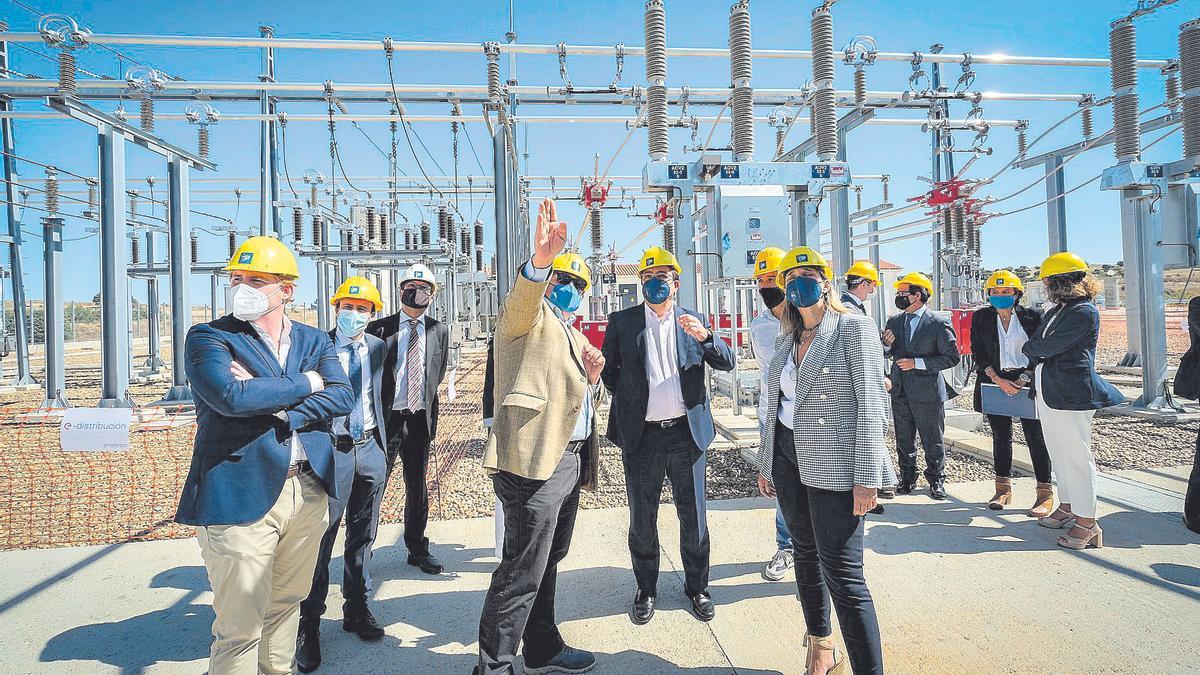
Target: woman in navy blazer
1069, 392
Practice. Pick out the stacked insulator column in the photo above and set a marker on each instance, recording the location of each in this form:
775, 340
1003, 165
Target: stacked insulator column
823, 113
202, 140
741, 68
312, 196
51, 192
956, 219
316, 231
66, 71
91, 198
478, 246
135, 251
947, 228
655, 24
443, 218
385, 232
195, 245
425, 233
1087, 123
372, 225
1189, 75
668, 230
297, 226
596, 216
1122, 44
232, 243
860, 87
492, 51
147, 113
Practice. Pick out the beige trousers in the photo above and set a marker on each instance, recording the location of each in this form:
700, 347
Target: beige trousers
259, 574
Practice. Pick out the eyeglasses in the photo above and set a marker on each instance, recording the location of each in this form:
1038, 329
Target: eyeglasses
578, 283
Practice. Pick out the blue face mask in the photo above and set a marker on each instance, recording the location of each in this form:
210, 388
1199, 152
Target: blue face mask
566, 297
351, 323
1002, 301
804, 291
656, 291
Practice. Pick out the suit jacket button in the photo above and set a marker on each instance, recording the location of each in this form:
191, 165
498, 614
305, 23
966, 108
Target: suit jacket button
575, 409
824, 371
583, 380
823, 397
820, 420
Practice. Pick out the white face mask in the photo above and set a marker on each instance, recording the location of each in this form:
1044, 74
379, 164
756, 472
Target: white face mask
248, 303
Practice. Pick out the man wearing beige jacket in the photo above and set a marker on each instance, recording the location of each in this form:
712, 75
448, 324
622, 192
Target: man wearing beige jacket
542, 449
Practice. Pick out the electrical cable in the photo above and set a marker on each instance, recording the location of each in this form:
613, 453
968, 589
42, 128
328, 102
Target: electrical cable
404, 126
283, 159
333, 150
713, 130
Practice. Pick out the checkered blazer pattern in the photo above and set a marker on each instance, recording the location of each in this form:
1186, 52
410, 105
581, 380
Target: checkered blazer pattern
841, 414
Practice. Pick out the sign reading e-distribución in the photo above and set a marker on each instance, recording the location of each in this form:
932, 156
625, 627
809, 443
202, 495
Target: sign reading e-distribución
95, 429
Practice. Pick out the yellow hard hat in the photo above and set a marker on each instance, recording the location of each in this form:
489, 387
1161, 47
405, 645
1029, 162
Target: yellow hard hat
767, 261
802, 256
264, 254
1062, 263
1004, 279
656, 256
358, 288
864, 269
573, 264
915, 279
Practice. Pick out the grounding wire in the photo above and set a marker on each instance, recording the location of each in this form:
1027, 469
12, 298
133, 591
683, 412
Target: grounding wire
404, 127
283, 159
608, 167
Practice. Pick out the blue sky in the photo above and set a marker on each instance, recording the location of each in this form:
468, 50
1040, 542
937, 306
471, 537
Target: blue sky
1013, 27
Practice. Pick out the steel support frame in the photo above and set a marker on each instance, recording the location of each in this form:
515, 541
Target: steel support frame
504, 175
179, 256
15, 261
1056, 206
268, 188
1145, 314
153, 339
56, 382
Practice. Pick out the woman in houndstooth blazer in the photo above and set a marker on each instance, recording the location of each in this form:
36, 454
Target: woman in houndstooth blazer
824, 456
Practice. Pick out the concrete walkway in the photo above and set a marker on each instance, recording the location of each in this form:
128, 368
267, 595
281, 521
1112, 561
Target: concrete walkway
959, 589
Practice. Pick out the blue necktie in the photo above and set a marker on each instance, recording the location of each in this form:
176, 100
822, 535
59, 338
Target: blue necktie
355, 419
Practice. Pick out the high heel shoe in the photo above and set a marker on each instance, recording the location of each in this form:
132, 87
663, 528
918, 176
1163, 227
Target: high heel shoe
1094, 539
814, 643
1057, 523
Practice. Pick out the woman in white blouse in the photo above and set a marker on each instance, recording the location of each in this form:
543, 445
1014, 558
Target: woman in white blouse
998, 332
823, 456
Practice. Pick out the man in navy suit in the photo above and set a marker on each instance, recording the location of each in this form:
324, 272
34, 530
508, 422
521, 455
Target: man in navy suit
266, 390
655, 355
361, 473
921, 345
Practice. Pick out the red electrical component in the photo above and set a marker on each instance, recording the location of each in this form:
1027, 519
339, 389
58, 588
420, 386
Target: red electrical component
944, 192
595, 193
663, 213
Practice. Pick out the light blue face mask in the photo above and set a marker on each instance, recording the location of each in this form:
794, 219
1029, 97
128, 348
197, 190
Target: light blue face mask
352, 323
566, 297
1002, 301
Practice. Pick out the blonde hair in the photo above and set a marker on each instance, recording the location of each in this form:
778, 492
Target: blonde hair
792, 323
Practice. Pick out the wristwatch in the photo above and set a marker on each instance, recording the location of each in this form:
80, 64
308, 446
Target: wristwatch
1024, 378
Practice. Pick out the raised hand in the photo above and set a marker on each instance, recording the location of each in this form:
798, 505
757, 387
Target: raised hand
550, 238
694, 327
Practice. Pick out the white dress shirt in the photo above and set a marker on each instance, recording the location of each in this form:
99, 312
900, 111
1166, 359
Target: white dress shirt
281, 355
915, 321
662, 368
787, 388
1011, 341
764, 330
583, 423
402, 338
364, 358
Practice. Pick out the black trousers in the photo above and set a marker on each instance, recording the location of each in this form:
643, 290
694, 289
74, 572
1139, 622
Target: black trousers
1002, 428
539, 517
1191, 503
827, 541
661, 454
929, 420
361, 474
408, 441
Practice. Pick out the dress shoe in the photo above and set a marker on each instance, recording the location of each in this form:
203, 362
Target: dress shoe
569, 660
1192, 524
937, 491
361, 622
887, 493
703, 607
643, 608
425, 562
877, 510
906, 486
308, 648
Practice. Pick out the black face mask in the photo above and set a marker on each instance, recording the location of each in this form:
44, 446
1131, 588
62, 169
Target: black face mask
771, 296
903, 302
417, 298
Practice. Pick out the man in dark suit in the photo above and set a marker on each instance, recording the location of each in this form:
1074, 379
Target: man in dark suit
921, 346
418, 348
862, 280
1187, 385
360, 471
655, 355
266, 390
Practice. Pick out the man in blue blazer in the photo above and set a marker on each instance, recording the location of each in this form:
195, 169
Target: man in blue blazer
360, 468
921, 346
265, 390
655, 355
